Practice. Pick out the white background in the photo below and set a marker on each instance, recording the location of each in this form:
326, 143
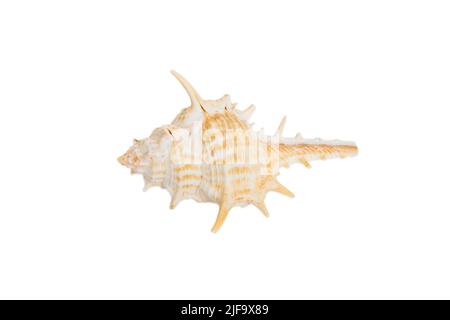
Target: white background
80, 79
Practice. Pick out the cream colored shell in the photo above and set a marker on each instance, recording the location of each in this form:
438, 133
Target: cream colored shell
210, 153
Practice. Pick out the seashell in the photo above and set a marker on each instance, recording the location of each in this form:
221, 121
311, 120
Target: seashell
210, 153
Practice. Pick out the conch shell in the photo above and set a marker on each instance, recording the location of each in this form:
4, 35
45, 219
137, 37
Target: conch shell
210, 153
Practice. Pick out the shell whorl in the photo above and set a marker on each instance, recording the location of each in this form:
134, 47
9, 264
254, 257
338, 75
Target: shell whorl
210, 153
